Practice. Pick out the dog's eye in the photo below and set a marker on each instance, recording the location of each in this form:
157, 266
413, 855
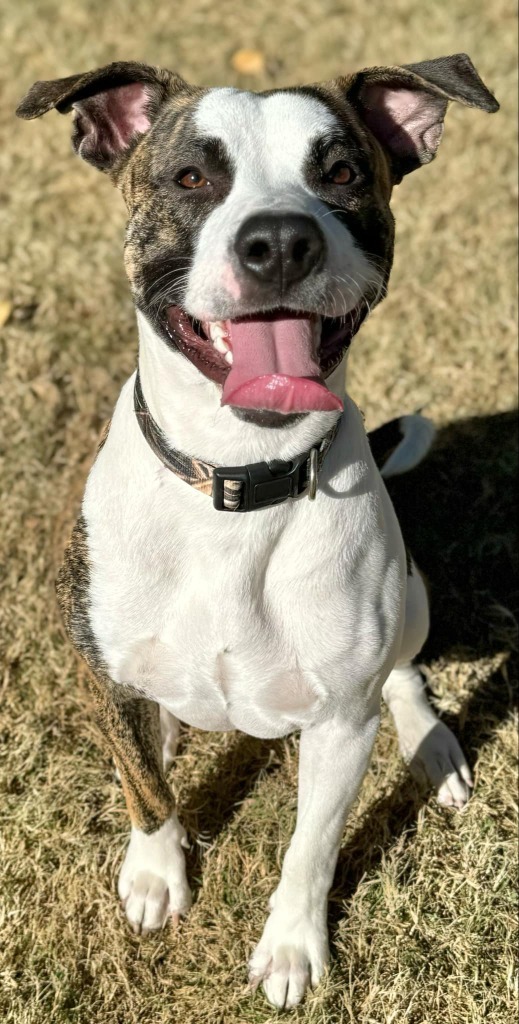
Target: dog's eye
192, 178
340, 174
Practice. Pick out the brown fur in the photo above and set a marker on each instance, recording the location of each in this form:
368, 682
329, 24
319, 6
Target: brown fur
129, 723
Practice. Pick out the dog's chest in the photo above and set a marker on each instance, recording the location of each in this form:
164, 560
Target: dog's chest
260, 622
214, 647
221, 636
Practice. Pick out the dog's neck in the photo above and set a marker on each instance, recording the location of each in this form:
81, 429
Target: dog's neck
186, 406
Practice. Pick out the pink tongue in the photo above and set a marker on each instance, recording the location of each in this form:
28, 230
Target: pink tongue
274, 367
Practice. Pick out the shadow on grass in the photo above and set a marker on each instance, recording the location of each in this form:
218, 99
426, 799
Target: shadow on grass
458, 516
210, 806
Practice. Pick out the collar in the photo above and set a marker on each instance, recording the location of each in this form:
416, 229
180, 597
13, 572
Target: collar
236, 488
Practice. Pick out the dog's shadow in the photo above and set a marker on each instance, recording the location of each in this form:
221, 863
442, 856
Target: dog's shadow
458, 515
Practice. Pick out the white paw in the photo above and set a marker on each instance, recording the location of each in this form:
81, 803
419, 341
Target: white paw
152, 883
438, 757
290, 957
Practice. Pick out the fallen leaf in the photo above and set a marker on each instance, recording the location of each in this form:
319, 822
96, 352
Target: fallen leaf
248, 62
6, 308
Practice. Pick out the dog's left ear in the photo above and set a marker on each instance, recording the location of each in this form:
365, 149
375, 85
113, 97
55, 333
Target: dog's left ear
404, 107
113, 106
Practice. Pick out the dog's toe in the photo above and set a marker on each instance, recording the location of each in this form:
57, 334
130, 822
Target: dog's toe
440, 759
150, 901
152, 884
287, 977
287, 962
453, 791
147, 903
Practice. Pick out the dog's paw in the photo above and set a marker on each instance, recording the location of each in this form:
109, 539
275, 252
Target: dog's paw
290, 957
439, 759
152, 884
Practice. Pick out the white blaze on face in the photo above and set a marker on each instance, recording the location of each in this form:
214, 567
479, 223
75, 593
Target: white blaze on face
269, 140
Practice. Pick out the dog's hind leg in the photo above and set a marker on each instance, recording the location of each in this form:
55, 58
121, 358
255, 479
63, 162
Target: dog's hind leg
428, 746
169, 730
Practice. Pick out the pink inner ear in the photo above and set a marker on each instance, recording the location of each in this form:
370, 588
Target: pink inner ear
409, 122
125, 109
106, 122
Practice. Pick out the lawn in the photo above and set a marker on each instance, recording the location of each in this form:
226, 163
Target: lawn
423, 908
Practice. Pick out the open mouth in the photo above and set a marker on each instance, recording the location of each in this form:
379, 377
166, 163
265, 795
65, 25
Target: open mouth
276, 361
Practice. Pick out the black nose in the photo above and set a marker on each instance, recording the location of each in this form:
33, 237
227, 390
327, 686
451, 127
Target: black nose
279, 247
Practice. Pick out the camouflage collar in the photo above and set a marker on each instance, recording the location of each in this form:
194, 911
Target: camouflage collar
236, 488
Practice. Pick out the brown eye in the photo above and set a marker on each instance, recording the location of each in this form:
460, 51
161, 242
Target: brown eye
340, 174
192, 178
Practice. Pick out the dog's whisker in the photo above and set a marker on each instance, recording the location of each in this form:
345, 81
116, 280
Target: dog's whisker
166, 279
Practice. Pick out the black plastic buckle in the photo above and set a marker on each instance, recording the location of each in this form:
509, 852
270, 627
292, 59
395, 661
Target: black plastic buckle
263, 483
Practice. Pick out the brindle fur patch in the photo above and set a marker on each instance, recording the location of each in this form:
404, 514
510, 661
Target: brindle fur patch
164, 220
364, 206
129, 723
103, 436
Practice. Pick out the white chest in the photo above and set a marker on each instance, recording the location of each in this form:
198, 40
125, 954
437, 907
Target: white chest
262, 622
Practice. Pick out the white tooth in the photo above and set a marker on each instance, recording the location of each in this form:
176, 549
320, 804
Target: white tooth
221, 345
228, 357
217, 330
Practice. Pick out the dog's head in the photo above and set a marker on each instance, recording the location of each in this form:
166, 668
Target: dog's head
260, 232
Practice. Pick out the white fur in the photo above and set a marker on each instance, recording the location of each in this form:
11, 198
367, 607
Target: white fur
289, 618
269, 139
294, 617
221, 615
428, 747
170, 729
152, 883
418, 437
283, 619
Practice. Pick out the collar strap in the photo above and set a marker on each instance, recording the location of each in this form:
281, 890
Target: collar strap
236, 488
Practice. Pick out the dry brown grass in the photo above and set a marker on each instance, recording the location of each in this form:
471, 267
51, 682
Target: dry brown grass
422, 912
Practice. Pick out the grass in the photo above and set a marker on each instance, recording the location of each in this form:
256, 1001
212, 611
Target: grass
423, 907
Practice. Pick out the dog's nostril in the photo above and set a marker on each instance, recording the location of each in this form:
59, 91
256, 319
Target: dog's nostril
280, 248
300, 250
258, 250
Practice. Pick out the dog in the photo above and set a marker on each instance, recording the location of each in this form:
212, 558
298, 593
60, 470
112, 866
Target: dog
259, 236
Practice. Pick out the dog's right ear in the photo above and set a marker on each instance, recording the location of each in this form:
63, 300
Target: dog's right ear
113, 107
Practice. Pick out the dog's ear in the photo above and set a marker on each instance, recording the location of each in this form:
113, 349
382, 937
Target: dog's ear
113, 106
404, 107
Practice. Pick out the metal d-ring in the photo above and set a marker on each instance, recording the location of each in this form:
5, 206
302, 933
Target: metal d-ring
312, 474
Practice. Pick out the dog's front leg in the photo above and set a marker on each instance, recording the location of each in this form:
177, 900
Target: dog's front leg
152, 883
293, 949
